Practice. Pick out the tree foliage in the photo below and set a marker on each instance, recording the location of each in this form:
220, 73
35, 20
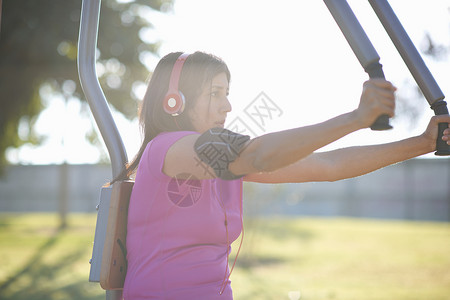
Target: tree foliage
38, 45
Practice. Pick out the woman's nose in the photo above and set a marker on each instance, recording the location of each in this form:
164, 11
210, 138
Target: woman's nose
226, 105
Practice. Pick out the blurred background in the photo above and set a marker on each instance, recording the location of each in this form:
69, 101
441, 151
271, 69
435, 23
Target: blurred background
385, 235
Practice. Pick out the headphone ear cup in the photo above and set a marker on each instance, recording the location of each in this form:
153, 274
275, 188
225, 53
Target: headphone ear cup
174, 103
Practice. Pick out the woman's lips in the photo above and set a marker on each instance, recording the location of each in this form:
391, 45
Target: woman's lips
221, 123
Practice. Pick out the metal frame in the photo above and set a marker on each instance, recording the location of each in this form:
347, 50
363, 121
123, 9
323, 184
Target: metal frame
367, 55
87, 46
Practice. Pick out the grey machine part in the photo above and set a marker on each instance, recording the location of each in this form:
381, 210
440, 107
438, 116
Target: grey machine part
87, 45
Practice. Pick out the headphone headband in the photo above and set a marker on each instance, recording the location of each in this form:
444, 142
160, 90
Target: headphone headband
174, 101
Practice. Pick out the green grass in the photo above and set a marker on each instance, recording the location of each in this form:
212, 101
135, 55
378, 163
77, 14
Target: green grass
41, 261
321, 258
344, 259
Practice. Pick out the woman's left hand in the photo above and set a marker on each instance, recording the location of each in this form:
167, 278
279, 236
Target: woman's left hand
431, 133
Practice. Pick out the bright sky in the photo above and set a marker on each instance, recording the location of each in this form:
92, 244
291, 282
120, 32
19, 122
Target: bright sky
290, 50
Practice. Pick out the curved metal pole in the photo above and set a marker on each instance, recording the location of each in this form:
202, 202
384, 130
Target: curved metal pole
87, 46
416, 66
407, 50
361, 46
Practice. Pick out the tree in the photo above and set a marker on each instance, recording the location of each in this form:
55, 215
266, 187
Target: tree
38, 45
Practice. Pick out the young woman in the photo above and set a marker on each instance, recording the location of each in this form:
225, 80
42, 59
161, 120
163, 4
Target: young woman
186, 205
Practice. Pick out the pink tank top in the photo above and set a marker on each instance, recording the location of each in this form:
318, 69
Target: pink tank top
177, 239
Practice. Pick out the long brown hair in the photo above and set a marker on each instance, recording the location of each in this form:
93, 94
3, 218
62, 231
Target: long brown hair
198, 70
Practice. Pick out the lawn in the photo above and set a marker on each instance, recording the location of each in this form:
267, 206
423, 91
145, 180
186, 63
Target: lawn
317, 258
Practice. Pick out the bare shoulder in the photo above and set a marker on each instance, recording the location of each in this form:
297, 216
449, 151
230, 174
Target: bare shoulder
182, 159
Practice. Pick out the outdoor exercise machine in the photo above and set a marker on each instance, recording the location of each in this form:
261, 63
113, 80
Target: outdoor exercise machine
369, 58
108, 262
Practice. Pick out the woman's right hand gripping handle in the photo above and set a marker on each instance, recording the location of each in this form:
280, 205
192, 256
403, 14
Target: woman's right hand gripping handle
377, 98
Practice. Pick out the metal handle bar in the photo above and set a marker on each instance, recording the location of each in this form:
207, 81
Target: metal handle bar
87, 45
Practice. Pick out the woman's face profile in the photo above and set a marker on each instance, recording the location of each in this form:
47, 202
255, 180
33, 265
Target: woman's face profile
212, 106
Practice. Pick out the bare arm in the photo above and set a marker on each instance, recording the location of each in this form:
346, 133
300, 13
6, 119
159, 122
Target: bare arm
266, 153
277, 150
274, 151
355, 161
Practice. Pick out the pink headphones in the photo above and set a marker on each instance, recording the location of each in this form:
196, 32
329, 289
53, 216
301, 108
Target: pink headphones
174, 100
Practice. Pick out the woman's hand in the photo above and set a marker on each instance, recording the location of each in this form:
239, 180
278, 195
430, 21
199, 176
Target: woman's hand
377, 98
431, 133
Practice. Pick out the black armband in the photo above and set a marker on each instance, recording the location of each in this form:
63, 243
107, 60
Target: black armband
218, 147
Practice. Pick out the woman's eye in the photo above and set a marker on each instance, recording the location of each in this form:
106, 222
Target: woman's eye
219, 94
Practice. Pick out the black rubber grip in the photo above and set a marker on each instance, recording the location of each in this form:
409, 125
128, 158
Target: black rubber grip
442, 148
375, 70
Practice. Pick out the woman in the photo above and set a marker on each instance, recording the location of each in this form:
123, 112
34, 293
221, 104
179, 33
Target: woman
186, 205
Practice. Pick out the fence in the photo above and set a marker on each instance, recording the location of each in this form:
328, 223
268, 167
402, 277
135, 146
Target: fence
418, 189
